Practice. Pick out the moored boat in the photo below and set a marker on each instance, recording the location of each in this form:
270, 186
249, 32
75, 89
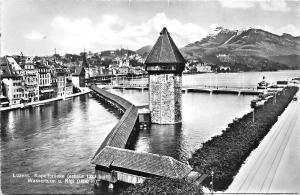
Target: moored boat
263, 84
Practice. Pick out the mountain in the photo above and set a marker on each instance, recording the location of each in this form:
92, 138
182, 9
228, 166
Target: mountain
252, 48
144, 51
247, 42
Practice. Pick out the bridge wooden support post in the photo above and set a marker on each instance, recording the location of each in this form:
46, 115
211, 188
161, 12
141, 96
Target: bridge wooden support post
97, 183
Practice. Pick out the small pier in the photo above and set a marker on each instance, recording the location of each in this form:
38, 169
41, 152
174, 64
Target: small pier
195, 89
223, 90
115, 162
132, 87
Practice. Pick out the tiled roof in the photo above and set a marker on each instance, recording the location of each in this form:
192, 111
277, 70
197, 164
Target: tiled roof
6, 69
119, 135
78, 71
154, 164
164, 51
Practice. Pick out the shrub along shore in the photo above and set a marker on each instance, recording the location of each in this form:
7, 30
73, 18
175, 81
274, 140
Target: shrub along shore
224, 154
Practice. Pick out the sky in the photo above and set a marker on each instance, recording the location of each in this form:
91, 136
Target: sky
36, 27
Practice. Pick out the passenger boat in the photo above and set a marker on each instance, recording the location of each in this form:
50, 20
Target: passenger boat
263, 84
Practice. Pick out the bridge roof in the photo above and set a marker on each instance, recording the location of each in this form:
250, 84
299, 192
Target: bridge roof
119, 135
154, 164
117, 99
165, 51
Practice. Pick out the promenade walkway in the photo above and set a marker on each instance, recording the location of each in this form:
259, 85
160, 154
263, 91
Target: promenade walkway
274, 166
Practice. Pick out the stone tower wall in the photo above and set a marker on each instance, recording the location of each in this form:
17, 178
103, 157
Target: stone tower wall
165, 98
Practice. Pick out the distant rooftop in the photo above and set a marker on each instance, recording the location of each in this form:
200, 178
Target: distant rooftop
79, 70
6, 69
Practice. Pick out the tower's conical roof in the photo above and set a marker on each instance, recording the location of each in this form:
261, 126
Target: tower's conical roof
164, 51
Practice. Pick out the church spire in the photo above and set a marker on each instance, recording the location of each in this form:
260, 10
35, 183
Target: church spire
84, 61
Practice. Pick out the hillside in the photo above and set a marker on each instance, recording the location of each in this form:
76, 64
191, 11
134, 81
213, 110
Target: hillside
249, 48
292, 60
144, 51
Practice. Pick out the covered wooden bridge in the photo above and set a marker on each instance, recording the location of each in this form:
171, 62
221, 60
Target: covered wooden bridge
115, 162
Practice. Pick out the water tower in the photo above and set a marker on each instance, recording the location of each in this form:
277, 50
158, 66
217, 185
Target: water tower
165, 65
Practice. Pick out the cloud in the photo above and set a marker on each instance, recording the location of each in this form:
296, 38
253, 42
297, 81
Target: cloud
237, 3
274, 5
112, 31
267, 5
289, 28
35, 35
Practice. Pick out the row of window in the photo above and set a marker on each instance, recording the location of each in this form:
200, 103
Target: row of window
18, 90
44, 82
44, 70
18, 96
31, 79
44, 75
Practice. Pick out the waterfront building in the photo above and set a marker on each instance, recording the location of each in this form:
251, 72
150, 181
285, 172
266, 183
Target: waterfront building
138, 70
61, 82
202, 67
69, 87
124, 70
11, 82
78, 78
113, 69
165, 65
46, 88
30, 77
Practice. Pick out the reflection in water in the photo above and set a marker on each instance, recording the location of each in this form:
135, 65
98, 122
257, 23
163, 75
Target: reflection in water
161, 139
58, 138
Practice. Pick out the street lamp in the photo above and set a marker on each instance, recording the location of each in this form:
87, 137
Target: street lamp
253, 116
212, 182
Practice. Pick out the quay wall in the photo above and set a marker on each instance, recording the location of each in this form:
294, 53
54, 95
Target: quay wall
42, 102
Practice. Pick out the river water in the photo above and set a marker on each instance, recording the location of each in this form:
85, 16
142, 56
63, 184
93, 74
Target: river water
61, 137
203, 115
